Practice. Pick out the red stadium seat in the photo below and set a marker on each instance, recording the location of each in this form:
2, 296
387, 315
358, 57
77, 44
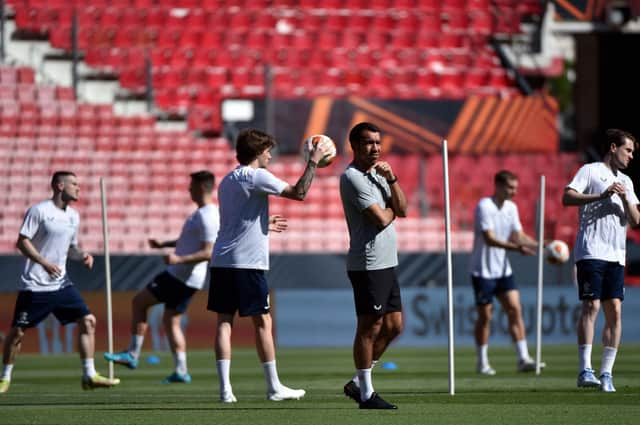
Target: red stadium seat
24, 76
428, 5
499, 78
65, 93
476, 79
455, 21
183, 37
481, 23
453, 5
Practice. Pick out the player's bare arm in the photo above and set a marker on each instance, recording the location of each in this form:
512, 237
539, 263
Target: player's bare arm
77, 254
572, 197
525, 240
28, 250
158, 244
381, 217
398, 199
203, 254
299, 191
277, 223
630, 210
491, 240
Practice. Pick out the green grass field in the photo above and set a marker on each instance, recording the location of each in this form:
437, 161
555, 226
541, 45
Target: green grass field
46, 390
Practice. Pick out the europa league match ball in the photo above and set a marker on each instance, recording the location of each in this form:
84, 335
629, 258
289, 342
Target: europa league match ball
313, 141
557, 252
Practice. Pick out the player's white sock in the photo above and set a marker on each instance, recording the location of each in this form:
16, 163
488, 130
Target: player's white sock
135, 346
482, 352
584, 357
271, 375
88, 368
608, 358
366, 385
522, 350
6, 372
180, 361
355, 378
224, 367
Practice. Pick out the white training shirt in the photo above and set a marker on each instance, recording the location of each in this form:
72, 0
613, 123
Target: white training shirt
491, 262
243, 238
602, 225
200, 227
52, 231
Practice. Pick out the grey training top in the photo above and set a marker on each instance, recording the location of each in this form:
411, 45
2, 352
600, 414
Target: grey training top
370, 248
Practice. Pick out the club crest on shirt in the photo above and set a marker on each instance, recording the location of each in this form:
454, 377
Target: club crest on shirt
23, 318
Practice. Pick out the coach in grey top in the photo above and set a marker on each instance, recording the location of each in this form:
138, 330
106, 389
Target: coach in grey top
370, 248
372, 199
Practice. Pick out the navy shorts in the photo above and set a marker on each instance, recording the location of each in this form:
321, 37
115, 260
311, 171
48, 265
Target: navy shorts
171, 291
242, 290
600, 280
375, 291
32, 308
486, 289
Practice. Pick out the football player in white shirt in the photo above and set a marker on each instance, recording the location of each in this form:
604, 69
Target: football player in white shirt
497, 229
49, 234
241, 254
608, 204
185, 275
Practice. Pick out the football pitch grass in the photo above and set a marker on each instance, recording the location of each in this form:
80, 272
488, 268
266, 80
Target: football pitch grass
46, 390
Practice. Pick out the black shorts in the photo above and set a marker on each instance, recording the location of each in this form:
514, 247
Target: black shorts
375, 291
171, 291
600, 280
242, 290
486, 289
32, 308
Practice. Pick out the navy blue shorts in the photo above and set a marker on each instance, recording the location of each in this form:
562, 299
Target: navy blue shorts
375, 291
242, 290
486, 289
600, 280
32, 308
171, 291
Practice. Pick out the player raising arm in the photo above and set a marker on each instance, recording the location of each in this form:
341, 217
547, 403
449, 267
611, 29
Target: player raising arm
241, 254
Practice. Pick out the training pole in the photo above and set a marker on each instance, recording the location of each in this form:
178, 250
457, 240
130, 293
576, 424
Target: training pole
447, 233
540, 274
107, 270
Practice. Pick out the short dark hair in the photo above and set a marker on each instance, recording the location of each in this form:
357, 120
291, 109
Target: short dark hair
355, 135
251, 143
503, 176
58, 176
617, 137
204, 178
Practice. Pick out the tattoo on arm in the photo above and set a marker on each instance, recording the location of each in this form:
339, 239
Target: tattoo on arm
304, 183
